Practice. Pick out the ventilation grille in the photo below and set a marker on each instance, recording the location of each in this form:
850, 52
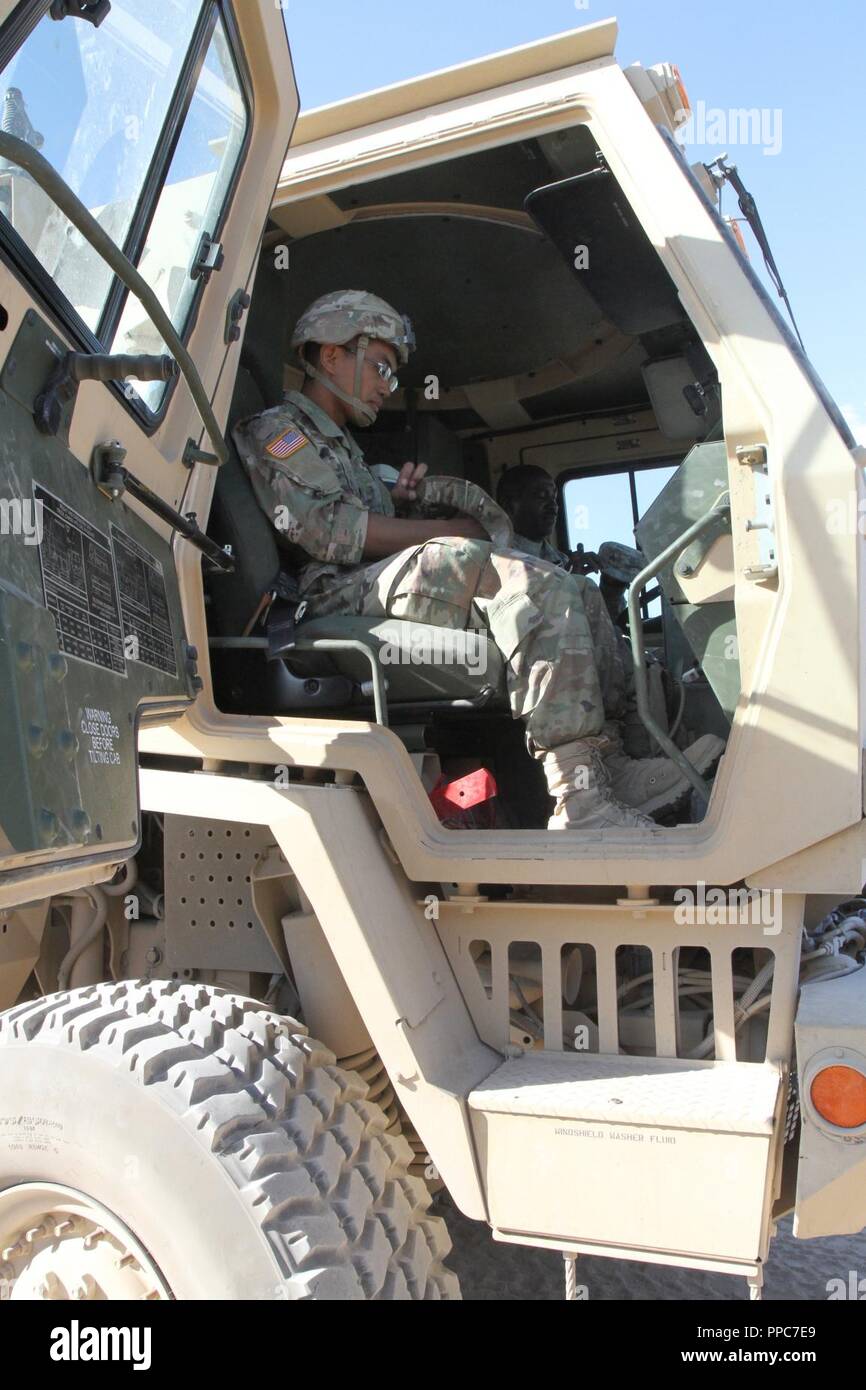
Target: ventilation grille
211, 921
615, 979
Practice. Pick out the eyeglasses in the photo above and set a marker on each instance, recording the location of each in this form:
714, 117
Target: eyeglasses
385, 370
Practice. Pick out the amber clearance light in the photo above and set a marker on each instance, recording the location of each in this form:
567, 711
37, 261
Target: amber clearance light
839, 1096
681, 89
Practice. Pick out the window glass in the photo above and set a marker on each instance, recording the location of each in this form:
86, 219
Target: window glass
598, 509
649, 483
93, 101
189, 204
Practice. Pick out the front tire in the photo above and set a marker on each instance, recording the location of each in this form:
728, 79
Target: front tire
167, 1139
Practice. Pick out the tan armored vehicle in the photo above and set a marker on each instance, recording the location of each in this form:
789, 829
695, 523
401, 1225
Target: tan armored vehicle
217, 837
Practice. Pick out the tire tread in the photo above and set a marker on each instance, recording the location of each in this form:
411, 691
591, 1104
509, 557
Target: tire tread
305, 1148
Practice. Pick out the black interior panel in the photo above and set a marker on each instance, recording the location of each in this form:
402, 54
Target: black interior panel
624, 274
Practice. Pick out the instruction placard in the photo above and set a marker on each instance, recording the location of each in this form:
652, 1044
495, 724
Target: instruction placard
147, 633
79, 584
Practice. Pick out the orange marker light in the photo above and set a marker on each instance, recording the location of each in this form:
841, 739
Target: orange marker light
734, 224
681, 89
839, 1096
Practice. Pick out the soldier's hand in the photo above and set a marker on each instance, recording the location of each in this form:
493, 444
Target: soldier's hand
584, 561
404, 490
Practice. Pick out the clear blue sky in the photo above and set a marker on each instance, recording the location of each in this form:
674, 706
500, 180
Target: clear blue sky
801, 59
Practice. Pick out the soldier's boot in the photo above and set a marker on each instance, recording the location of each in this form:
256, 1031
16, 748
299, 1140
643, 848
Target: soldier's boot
579, 781
656, 785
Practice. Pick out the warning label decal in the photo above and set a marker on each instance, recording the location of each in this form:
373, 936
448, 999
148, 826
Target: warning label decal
101, 735
144, 606
79, 584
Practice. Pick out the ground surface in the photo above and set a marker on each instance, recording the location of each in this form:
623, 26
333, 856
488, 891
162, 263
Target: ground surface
488, 1269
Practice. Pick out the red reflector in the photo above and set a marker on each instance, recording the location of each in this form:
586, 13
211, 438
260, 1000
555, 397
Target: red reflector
463, 792
839, 1096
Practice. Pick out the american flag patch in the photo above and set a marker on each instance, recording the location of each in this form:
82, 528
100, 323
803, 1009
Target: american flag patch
286, 444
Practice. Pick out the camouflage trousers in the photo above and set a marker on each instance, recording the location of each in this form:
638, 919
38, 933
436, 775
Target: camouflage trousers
564, 661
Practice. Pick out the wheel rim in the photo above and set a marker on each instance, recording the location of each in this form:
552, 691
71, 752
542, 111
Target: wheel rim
59, 1244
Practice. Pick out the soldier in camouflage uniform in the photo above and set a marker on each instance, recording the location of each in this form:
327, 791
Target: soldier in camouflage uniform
528, 494
378, 552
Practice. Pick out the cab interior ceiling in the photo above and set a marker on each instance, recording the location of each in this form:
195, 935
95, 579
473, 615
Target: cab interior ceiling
502, 317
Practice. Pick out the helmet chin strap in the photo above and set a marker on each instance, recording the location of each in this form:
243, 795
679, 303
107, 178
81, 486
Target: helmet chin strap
362, 414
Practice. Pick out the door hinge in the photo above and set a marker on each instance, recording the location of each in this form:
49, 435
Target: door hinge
237, 307
208, 258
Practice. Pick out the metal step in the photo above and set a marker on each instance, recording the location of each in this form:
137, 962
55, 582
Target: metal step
653, 1157
728, 1097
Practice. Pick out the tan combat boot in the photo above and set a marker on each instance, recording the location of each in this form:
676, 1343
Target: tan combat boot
579, 782
653, 785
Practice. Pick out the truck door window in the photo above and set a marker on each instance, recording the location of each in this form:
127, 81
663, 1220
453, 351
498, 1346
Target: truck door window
598, 509
607, 506
190, 204
648, 484
94, 102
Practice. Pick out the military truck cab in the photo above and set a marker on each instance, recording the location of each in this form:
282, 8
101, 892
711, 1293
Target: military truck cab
220, 840
549, 333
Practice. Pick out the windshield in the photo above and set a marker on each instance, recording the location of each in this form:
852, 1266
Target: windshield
94, 102
190, 203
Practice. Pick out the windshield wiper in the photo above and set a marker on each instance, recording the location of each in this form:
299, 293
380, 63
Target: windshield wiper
749, 209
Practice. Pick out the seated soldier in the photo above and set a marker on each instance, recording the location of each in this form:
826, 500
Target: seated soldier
564, 672
528, 494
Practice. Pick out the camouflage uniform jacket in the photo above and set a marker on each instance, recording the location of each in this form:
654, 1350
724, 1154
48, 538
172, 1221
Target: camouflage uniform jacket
310, 478
543, 550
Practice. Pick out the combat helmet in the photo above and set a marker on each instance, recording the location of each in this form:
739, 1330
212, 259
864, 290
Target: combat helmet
340, 317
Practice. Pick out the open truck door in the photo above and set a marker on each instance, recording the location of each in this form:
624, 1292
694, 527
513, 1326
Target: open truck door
157, 132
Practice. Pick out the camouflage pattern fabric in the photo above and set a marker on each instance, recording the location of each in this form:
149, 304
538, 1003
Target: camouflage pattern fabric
342, 315
563, 666
542, 550
621, 563
611, 648
318, 495
438, 497
564, 669
620, 696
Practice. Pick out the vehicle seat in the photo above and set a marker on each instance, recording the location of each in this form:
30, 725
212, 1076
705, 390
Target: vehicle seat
315, 680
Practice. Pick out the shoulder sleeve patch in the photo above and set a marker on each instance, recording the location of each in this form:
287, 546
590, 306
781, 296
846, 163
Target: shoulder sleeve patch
286, 443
